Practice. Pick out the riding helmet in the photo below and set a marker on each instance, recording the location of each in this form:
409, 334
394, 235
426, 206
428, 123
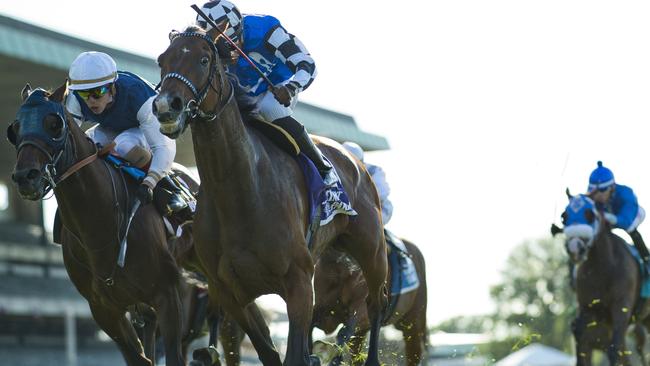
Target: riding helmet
601, 178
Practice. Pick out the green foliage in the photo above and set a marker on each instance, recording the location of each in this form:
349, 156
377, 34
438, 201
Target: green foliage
534, 302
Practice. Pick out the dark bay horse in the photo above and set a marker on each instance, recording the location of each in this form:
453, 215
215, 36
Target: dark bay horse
340, 292
93, 202
607, 285
255, 194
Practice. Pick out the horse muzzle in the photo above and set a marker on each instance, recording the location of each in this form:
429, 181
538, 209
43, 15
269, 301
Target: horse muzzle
171, 115
29, 183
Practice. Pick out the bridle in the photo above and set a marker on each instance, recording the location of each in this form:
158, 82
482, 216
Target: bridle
193, 107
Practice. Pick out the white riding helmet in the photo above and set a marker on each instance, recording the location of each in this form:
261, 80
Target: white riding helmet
220, 10
90, 70
354, 149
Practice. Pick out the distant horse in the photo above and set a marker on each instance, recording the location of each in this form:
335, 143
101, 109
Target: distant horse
93, 197
340, 292
256, 194
607, 285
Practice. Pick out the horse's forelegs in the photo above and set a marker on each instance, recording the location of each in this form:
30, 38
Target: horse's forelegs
640, 337
231, 338
148, 332
299, 298
251, 320
114, 323
617, 352
168, 308
374, 266
583, 348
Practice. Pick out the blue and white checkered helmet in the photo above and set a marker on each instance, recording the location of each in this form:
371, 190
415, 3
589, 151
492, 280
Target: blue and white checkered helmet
220, 10
601, 178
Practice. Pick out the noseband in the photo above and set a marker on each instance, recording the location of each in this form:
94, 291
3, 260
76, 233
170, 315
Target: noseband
193, 106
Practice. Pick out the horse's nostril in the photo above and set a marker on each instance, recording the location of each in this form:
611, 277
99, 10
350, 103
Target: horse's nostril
177, 104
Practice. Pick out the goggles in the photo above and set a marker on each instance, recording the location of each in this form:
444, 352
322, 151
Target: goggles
96, 93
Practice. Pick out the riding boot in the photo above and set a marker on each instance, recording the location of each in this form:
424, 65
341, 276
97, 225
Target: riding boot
168, 197
640, 246
306, 145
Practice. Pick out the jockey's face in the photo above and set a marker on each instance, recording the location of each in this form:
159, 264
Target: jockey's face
602, 196
98, 103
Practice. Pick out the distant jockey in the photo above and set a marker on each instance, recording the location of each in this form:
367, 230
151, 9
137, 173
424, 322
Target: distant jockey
620, 205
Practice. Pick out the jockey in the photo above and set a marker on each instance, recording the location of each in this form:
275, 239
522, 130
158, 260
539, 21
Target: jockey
119, 104
378, 176
282, 58
620, 205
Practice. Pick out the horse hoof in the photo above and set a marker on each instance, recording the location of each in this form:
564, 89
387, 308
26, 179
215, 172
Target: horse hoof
205, 357
314, 360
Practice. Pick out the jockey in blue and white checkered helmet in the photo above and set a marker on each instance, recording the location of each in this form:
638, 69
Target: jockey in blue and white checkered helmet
282, 58
620, 204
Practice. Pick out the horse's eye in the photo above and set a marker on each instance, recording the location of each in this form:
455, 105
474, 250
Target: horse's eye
53, 125
205, 60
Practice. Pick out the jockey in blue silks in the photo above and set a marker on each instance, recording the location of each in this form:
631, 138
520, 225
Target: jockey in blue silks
280, 56
118, 104
620, 204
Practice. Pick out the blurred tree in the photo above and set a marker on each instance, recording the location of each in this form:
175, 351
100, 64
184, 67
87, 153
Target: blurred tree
534, 301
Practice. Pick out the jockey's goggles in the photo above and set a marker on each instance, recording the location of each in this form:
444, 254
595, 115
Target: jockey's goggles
96, 93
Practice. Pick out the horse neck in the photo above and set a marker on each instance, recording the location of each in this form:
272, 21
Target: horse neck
84, 195
225, 153
604, 251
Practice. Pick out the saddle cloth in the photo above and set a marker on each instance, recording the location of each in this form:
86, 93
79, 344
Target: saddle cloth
404, 276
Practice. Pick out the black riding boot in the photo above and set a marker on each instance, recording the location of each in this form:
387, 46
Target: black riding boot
306, 145
168, 197
641, 248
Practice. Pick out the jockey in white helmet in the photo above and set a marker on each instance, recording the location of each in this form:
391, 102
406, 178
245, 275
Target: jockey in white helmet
119, 104
280, 56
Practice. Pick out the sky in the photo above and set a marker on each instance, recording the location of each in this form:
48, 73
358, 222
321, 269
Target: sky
491, 108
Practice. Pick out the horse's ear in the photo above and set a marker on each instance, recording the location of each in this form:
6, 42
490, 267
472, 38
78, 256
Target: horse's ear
590, 216
568, 193
25, 92
59, 93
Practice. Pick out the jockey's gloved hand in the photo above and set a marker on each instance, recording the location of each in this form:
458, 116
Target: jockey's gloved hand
144, 194
611, 218
283, 95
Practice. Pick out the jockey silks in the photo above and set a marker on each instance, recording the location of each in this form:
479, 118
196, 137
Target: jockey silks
275, 52
131, 93
624, 205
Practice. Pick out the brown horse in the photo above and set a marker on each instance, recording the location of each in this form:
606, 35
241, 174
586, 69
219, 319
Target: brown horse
340, 292
93, 197
607, 285
256, 195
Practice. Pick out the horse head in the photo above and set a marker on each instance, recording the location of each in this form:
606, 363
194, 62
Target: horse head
39, 133
582, 224
190, 69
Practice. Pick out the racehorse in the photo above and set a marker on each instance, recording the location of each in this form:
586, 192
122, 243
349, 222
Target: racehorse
607, 285
93, 199
256, 195
340, 291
